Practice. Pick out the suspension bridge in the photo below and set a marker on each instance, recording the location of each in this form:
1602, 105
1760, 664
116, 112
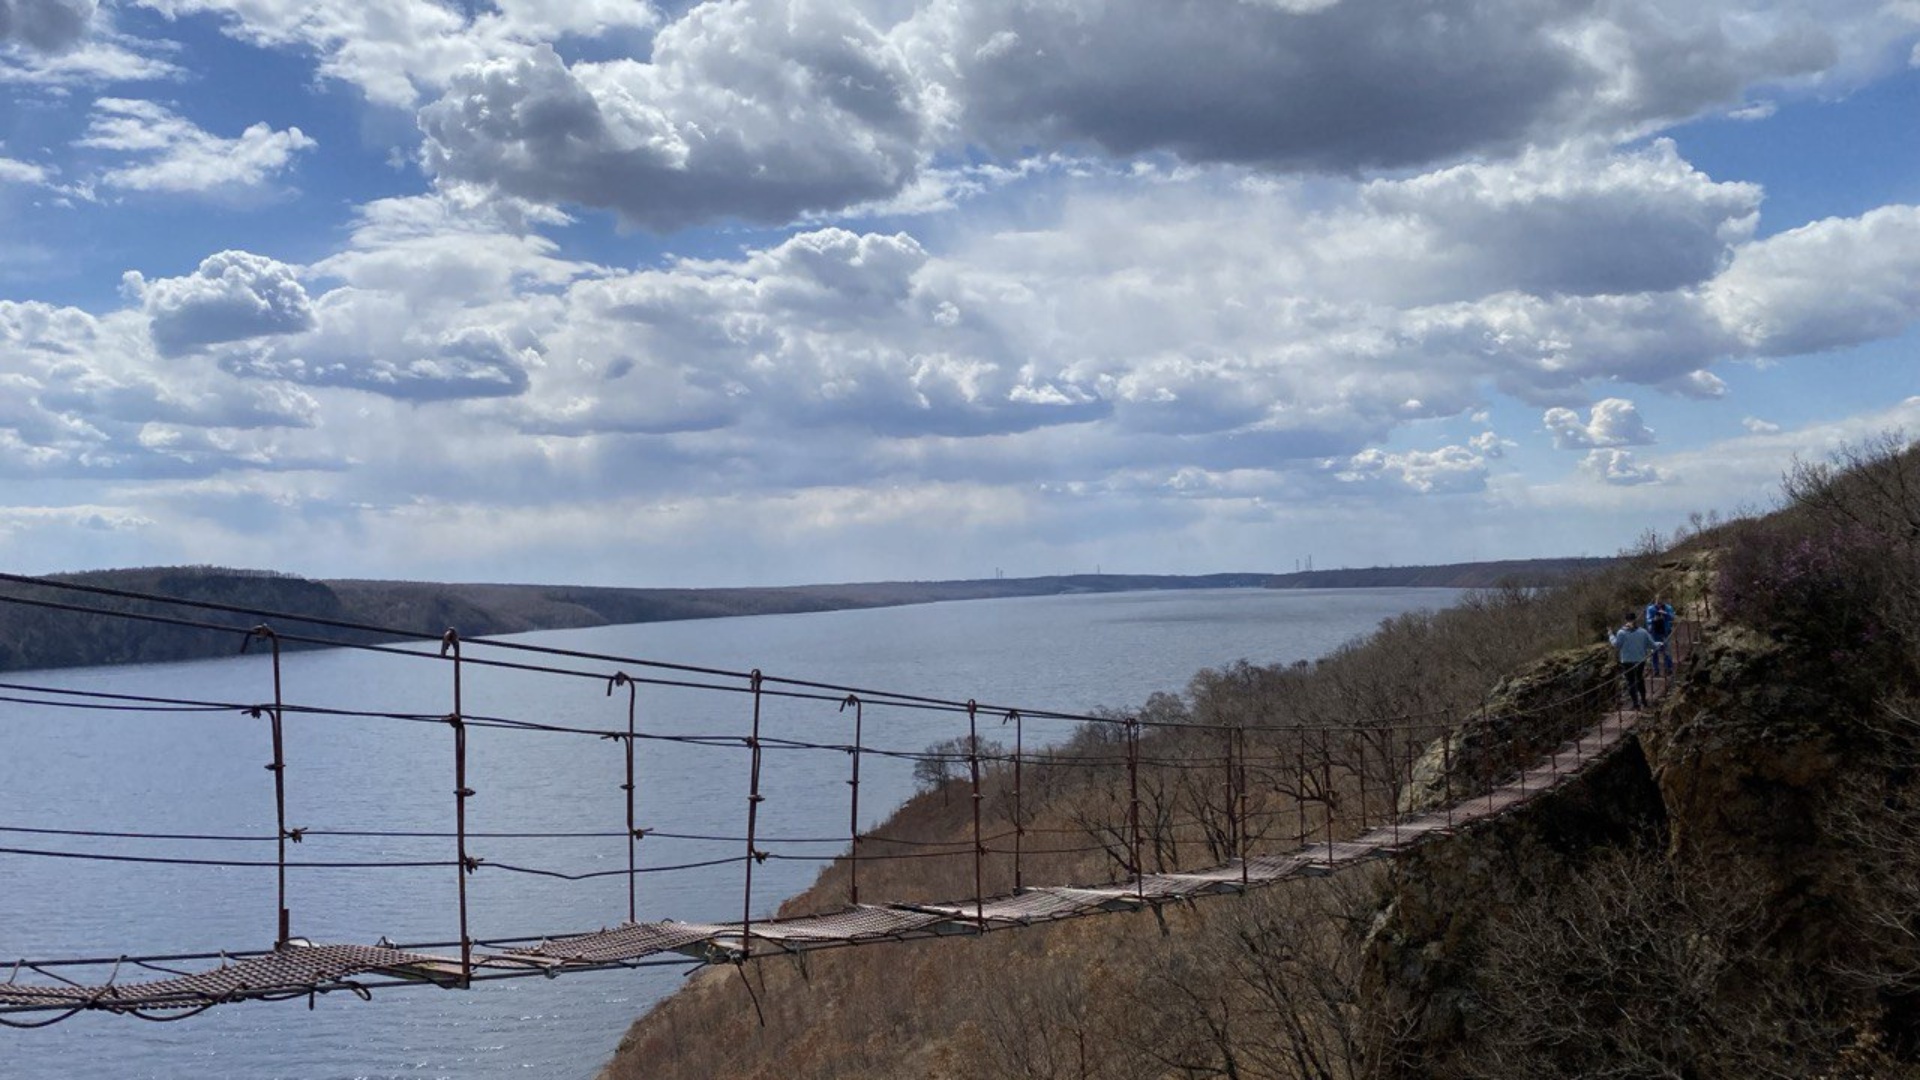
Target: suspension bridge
1357, 794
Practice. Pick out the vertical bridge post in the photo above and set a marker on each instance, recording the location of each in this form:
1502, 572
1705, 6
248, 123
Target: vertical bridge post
853, 801
1244, 844
450, 644
1019, 826
278, 768
620, 678
979, 848
754, 799
1133, 804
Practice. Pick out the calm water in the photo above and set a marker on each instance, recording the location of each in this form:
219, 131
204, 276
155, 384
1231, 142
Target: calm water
202, 773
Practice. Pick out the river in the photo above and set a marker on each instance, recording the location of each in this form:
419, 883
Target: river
202, 773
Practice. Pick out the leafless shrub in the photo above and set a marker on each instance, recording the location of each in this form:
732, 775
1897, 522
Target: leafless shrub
1633, 970
1268, 989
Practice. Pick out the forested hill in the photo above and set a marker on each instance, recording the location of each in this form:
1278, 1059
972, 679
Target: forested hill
43, 637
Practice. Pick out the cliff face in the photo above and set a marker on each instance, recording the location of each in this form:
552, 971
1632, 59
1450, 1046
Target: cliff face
1700, 904
1420, 960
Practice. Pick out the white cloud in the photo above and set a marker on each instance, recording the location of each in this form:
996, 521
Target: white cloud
17, 519
82, 397
1618, 467
1489, 445
770, 109
1836, 282
735, 115
366, 341
179, 156
22, 172
1702, 385
1759, 426
1448, 470
437, 252
233, 295
397, 50
1612, 422
98, 59
1577, 219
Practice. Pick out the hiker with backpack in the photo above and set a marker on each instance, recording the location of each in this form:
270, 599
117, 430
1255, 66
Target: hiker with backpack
1660, 620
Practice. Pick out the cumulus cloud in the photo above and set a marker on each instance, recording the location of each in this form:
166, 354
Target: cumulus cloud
735, 115
368, 341
44, 25
1578, 219
1448, 470
1326, 88
233, 295
1758, 426
762, 109
80, 396
1612, 422
397, 50
1836, 282
1618, 467
181, 157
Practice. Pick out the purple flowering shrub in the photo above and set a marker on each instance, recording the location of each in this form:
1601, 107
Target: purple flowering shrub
1822, 584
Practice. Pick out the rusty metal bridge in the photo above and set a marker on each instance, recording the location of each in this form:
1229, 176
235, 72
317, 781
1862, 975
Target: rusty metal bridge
1376, 791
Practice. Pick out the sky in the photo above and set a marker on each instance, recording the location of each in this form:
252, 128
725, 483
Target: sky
786, 291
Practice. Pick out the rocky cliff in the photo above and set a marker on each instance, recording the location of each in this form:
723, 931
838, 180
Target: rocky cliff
1712, 900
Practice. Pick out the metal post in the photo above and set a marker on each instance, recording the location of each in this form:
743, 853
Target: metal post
284, 918
1241, 842
1133, 805
853, 808
754, 798
1326, 786
1019, 822
1488, 757
1300, 788
1233, 820
979, 848
1397, 787
1361, 750
450, 641
633, 831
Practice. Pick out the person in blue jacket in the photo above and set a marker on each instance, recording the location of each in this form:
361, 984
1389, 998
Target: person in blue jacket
1660, 619
1635, 646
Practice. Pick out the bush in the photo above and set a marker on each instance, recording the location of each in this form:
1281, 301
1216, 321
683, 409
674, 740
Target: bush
1819, 583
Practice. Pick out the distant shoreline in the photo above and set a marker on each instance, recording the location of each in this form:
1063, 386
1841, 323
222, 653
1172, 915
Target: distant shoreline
40, 637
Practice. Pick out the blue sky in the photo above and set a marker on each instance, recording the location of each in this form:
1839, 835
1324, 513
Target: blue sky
769, 291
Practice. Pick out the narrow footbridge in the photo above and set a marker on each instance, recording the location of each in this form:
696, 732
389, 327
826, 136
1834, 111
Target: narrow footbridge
1351, 796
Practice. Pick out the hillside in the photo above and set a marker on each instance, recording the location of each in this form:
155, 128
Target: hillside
48, 637
1475, 575
1730, 894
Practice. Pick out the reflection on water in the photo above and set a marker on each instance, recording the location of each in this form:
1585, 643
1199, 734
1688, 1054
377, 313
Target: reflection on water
202, 772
